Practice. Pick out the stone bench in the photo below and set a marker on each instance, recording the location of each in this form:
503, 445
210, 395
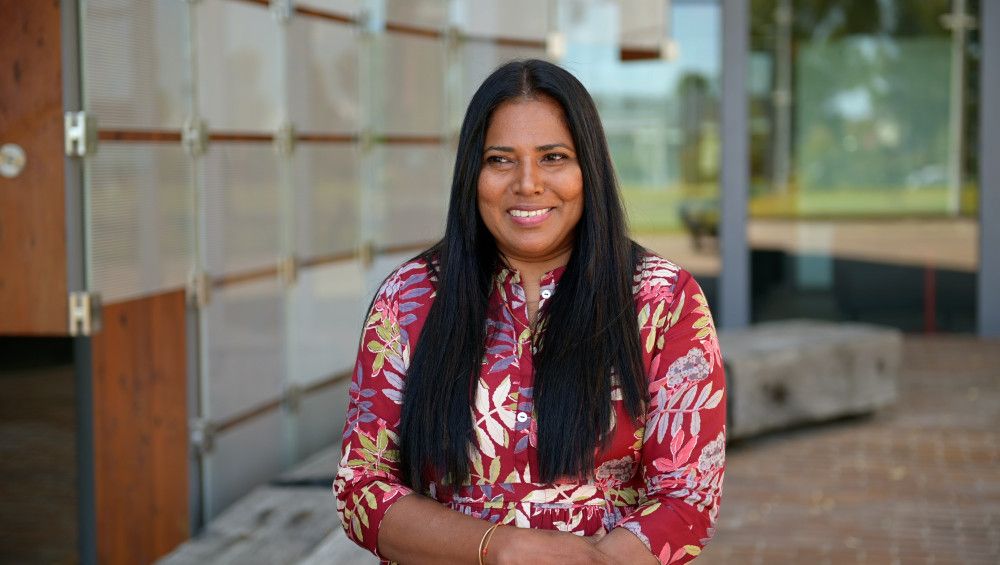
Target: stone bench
782, 374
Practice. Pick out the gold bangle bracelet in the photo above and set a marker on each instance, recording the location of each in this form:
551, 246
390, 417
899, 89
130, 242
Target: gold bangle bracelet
485, 542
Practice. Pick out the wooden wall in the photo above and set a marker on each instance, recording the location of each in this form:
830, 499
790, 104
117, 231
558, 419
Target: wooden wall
33, 297
140, 429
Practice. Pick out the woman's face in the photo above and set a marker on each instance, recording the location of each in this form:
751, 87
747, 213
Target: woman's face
530, 186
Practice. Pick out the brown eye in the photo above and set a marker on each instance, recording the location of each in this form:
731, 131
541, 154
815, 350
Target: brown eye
498, 160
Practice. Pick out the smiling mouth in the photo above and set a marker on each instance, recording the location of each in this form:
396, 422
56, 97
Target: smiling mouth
529, 213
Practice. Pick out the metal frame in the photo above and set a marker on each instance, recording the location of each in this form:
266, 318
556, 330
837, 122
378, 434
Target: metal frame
734, 281
76, 280
988, 302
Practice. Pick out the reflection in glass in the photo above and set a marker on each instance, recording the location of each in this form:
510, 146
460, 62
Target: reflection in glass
661, 118
863, 197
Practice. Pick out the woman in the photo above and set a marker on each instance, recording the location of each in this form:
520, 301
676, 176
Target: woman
535, 368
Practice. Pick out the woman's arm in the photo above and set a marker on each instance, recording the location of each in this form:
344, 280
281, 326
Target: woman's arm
683, 451
420, 530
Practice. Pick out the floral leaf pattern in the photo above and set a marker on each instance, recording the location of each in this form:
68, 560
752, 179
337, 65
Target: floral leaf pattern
660, 479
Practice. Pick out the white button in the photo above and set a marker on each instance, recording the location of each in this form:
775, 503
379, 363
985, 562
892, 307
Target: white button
546, 293
522, 417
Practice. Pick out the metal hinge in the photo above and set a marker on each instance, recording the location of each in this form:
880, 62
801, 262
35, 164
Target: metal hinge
80, 131
284, 139
366, 140
194, 136
366, 253
293, 397
281, 10
202, 436
288, 270
199, 289
555, 45
84, 313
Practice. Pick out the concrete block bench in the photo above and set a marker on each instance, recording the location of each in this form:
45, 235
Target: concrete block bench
782, 374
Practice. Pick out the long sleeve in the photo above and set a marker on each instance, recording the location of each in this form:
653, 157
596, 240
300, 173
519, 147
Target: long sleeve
683, 450
368, 480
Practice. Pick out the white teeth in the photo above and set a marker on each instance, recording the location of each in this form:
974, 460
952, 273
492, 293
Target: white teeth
527, 214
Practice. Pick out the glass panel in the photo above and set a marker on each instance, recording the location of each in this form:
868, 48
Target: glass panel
239, 78
245, 336
327, 198
662, 123
243, 458
523, 19
323, 76
135, 74
423, 13
411, 86
321, 417
414, 193
140, 219
241, 207
479, 59
863, 201
326, 311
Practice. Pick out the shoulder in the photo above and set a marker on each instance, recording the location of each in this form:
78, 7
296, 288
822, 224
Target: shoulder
411, 280
657, 279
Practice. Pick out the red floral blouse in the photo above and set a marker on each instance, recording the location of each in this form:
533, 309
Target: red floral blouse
660, 480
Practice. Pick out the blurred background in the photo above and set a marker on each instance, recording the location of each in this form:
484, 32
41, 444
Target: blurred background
199, 197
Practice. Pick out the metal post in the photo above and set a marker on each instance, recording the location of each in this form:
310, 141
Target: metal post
76, 279
734, 281
959, 23
989, 172
782, 98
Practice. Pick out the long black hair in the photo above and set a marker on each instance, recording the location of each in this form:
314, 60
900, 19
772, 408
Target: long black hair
591, 330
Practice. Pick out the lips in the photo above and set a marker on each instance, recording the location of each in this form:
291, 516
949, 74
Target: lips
524, 217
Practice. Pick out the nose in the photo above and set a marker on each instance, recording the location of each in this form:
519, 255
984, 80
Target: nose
529, 180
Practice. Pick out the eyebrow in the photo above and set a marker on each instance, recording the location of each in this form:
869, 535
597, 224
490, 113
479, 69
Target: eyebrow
549, 147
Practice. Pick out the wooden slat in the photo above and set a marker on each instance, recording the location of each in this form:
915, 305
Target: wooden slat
325, 15
328, 382
140, 429
33, 257
275, 403
237, 420
326, 137
333, 258
392, 139
139, 135
638, 54
416, 31
241, 136
262, 137
245, 277
506, 41
263, 3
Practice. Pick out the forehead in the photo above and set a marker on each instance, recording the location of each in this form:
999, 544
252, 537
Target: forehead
528, 120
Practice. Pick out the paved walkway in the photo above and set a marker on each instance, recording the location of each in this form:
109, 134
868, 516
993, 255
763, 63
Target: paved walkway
919, 483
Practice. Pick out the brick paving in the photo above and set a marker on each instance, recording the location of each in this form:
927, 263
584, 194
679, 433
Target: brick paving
918, 483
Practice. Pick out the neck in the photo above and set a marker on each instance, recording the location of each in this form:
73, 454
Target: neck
532, 270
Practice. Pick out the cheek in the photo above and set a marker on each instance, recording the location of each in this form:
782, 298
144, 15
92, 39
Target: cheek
488, 196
